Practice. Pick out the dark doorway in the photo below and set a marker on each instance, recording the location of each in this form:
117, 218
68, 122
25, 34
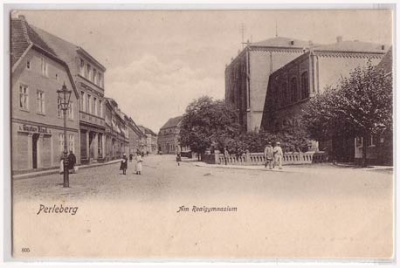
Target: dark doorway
35, 138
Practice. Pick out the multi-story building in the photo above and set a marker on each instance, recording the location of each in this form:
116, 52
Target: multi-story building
150, 142
37, 123
116, 131
168, 137
247, 76
88, 76
135, 135
292, 86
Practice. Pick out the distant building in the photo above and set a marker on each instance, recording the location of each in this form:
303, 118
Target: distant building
292, 86
36, 121
135, 135
247, 76
150, 142
168, 137
116, 131
88, 75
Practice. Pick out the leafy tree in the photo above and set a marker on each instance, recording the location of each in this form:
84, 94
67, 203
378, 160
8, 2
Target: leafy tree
360, 105
208, 123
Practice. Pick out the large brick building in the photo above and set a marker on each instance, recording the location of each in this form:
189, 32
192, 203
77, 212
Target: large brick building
88, 76
292, 86
37, 123
247, 76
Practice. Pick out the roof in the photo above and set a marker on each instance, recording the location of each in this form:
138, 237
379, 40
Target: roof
25, 37
282, 42
353, 46
387, 62
172, 122
65, 50
22, 36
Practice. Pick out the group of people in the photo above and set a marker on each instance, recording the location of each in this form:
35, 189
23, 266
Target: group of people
138, 160
273, 155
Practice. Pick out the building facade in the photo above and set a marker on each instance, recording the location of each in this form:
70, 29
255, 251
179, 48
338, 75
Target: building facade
247, 76
135, 135
168, 137
149, 139
37, 123
116, 131
292, 86
88, 76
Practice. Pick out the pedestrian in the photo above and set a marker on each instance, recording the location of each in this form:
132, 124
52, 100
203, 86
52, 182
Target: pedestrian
124, 164
62, 163
71, 161
130, 157
139, 166
269, 155
278, 155
178, 158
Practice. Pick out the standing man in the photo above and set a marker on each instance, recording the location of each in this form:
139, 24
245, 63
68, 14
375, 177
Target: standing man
278, 155
269, 155
71, 162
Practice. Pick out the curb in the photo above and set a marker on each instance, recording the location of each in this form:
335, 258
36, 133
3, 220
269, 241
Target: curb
56, 171
260, 168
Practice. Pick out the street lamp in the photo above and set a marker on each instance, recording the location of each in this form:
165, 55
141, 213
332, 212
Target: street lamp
64, 96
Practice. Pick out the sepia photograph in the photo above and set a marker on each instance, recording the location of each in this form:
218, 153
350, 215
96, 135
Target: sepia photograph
184, 135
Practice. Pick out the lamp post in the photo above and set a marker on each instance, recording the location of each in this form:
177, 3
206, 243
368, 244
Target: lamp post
64, 96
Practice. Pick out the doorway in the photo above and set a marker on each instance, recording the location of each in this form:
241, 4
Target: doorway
35, 138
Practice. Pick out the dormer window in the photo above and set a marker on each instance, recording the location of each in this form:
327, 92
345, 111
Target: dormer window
82, 67
88, 71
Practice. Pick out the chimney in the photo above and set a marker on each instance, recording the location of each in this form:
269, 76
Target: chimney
339, 38
383, 47
21, 17
310, 43
292, 42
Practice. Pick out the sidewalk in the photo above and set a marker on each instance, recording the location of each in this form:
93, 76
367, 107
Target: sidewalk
56, 170
294, 168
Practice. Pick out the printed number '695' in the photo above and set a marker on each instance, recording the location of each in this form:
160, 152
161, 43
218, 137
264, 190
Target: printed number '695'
26, 250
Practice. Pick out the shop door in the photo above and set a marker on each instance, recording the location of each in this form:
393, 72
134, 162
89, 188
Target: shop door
35, 138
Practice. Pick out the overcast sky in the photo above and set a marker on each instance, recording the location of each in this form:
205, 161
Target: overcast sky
159, 61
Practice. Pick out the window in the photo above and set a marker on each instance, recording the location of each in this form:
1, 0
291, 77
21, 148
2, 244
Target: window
82, 67
95, 106
61, 142
40, 102
59, 107
94, 76
293, 89
89, 104
23, 97
43, 65
100, 80
305, 91
88, 71
71, 142
28, 65
83, 101
371, 140
100, 108
71, 110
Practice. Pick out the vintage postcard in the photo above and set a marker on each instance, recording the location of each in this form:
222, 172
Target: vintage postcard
202, 135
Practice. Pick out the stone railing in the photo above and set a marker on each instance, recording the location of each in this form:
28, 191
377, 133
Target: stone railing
289, 158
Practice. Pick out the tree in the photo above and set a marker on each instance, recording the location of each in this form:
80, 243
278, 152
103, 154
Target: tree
359, 106
208, 123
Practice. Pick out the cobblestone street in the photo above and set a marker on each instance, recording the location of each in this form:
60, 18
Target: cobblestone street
304, 212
